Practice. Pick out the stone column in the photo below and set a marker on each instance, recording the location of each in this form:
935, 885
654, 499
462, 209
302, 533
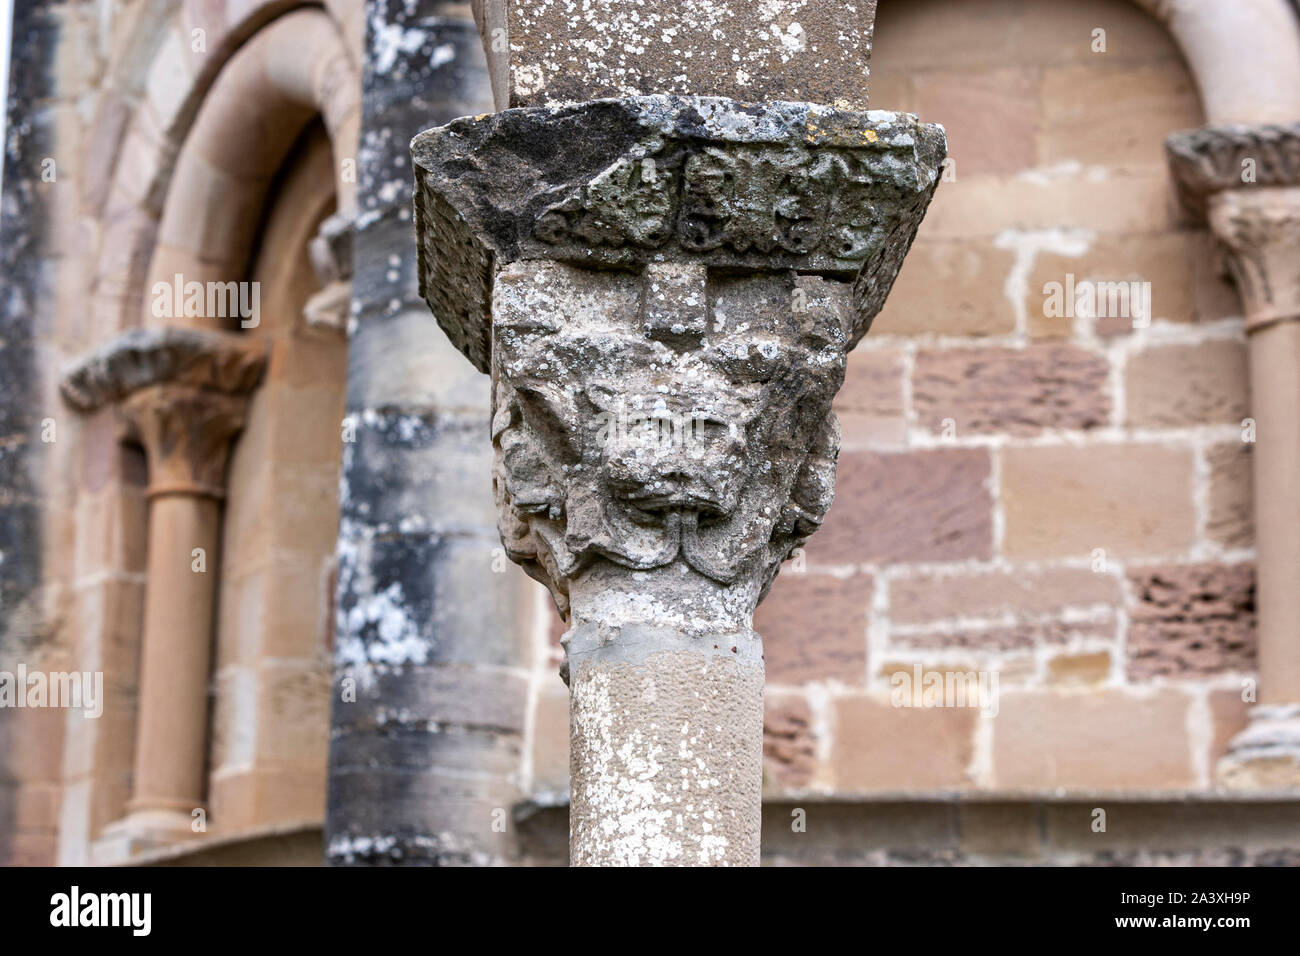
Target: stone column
182, 395
1246, 180
664, 288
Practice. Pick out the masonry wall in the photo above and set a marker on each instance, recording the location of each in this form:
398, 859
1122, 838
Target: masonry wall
1062, 502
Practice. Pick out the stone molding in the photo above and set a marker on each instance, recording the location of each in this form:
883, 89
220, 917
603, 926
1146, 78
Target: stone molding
1211, 159
216, 361
186, 433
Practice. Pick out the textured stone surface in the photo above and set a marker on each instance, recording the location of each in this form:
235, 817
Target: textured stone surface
1014, 391
666, 748
1209, 159
218, 361
670, 418
870, 405
949, 288
919, 506
816, 628
881, 747
789, 750
1126, 499
1175, 386
553, 52
708, 181
1023, 636
1231, 521
923, 597
413, 778
1043, 740
1191, 620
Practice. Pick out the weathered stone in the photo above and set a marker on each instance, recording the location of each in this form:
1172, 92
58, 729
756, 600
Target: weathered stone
1193, 619
870, 405
620, 443
1175, 386
1023, 636
1012, 391
1092, 668
950, 288
1045, 740
916, 506
881, 747
789, 751
215, 361
926, 597
1211, 159
816, 626
1126, 499
1231, 521
547, 52
703, 180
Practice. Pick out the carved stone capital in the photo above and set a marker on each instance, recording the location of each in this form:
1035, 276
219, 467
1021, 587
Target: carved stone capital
217, 361
186, 433
1215, 159
181, 393
674, 423
665, 290
1260, 231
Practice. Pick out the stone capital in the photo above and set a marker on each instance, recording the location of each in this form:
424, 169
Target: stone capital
1245, 182
186, 433
215, 361
664, 290
1260, 231
181, 393
1216, 159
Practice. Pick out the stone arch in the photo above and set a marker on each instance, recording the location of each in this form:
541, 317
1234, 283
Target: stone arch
159, 76
1244, 55
289, 72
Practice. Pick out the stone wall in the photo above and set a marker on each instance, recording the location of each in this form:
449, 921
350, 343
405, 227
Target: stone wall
1061, 501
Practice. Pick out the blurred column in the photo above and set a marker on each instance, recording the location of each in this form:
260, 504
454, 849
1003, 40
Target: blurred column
433, 627
1246, 181
182, 395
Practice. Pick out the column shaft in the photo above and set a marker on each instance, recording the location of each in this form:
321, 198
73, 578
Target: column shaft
666, 747
1275, 401
176, 657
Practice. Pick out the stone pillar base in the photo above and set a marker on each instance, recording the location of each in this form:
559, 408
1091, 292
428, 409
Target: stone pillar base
1266, 755
140, 832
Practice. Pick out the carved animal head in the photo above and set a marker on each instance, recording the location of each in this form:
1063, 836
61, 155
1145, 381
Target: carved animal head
675, 415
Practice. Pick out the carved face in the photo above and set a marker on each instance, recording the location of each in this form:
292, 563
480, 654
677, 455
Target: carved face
676, 415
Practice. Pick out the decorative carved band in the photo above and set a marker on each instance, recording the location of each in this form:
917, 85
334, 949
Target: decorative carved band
699, 180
